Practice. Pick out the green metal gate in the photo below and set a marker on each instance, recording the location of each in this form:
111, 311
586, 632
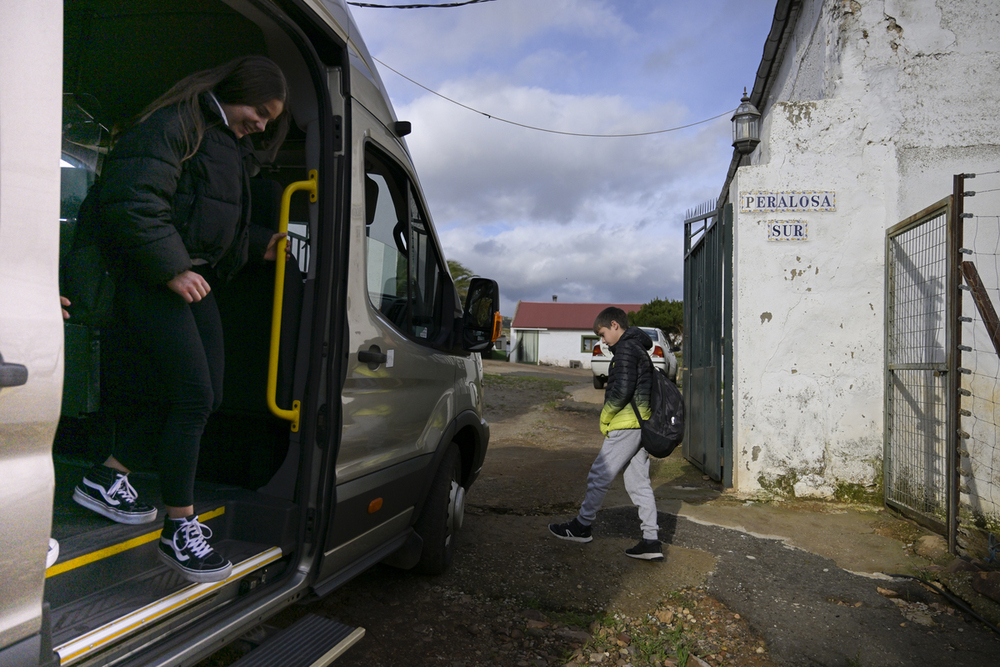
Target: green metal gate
708, 258
920, 370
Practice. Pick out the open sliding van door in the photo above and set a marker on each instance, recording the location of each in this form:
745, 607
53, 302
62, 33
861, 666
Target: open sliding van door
31, 335
412, 436
398, 394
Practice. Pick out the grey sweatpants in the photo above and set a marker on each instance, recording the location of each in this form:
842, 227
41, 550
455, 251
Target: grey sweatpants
620, 449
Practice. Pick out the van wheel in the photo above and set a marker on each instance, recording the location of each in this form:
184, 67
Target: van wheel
442, 516
598, 383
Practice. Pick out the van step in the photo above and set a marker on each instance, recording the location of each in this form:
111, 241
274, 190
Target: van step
131, 607
312, 641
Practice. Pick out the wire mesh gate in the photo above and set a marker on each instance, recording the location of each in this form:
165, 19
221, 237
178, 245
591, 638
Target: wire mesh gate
919, 370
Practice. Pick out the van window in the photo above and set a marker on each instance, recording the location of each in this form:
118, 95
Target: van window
426, 281
405, 275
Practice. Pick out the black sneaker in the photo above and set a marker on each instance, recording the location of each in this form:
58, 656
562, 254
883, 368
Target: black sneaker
183, 547
107, 492
646, 550
571, 530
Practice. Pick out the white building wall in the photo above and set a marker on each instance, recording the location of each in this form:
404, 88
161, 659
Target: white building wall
881, 103
556, 347
559, 347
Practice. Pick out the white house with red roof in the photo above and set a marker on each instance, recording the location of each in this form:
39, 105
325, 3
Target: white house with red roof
559, 334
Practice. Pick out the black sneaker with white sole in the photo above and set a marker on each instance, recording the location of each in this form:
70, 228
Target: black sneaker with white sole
646, 550
107, 492
571, 530
184, 547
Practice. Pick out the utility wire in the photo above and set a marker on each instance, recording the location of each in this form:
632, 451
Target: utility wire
551, 131
445, 4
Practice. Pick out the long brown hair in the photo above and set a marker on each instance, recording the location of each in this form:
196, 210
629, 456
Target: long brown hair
249, 80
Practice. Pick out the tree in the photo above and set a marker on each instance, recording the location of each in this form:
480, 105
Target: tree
663, 314
461, 276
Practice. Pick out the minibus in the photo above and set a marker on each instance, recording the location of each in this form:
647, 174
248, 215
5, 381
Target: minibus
351, 424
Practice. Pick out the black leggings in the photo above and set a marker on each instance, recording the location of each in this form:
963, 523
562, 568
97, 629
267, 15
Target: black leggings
182, 352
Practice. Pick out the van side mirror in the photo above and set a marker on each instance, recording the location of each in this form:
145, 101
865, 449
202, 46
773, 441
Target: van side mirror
481, 321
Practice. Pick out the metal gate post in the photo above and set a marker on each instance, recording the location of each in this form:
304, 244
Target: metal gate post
954, 346
728, 388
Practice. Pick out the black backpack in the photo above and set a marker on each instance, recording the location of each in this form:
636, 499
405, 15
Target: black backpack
664, 429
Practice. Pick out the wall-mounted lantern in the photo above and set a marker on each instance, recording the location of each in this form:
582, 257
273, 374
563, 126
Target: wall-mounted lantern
746, 126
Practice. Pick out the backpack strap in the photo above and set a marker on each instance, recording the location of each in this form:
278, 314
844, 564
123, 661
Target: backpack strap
638, 415
652, 369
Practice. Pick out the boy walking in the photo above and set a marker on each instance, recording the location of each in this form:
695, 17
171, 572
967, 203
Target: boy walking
628, 377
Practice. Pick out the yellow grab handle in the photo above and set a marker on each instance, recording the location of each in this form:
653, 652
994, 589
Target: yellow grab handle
279, 292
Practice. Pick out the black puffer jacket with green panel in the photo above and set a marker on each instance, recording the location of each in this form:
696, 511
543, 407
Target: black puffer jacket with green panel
628, 377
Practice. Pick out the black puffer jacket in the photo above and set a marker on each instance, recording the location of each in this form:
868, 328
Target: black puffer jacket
158, 213
628, 376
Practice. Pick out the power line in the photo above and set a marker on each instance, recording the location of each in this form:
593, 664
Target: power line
548, 130
444, 4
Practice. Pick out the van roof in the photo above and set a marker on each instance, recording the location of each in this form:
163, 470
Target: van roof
361, 60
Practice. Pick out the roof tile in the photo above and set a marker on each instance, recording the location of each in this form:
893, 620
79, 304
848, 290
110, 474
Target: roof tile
555, 315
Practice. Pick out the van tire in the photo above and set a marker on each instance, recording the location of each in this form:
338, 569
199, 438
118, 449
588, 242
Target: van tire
442, 515
598, 382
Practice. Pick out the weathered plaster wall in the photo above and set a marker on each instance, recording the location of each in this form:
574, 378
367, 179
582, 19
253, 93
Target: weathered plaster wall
881, 102
808, 337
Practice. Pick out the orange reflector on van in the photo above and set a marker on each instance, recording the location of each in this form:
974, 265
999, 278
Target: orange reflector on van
497, 325
375, 506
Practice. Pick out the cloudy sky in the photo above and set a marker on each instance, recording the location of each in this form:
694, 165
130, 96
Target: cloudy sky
587, 219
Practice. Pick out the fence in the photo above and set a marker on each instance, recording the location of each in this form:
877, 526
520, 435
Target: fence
979, 349
942, 356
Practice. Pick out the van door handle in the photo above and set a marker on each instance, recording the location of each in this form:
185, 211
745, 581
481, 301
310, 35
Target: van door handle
373, 356
12, 375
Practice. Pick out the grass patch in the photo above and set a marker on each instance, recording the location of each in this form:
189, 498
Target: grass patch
498, 381
645, 644
509, 392
781, 486
687, 622
850, 492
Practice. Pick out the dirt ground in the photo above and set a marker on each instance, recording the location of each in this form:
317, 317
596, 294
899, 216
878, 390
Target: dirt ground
517, 596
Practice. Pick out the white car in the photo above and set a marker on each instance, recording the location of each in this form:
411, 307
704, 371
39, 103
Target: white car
661, 353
